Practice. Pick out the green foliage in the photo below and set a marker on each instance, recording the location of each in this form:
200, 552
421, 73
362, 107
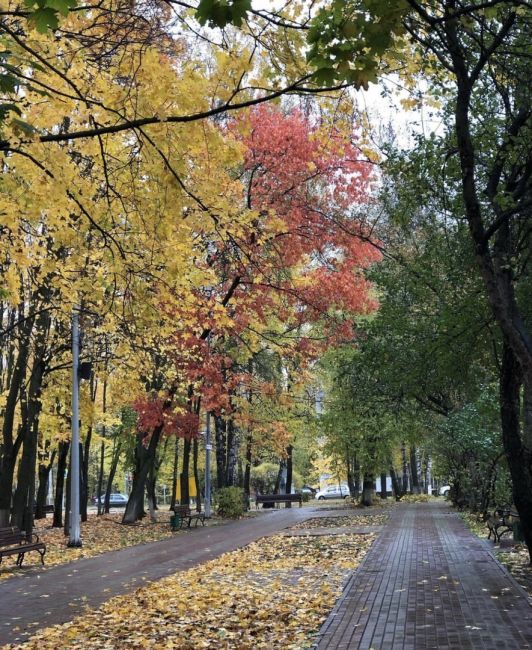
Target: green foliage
263, 477
467, 450
45, 13
348, 39
219, 13
230, 502
44, 18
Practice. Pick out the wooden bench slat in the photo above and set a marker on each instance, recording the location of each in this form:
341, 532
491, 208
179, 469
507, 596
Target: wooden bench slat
13, 541
279, 498
184, 513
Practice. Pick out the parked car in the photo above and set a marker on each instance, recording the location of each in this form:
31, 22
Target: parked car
333, 492
116, 500
306, 489
444, 491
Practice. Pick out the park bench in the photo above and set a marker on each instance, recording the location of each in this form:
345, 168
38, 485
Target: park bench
500, 522
183, 513
278, 498
14, 541
48, 509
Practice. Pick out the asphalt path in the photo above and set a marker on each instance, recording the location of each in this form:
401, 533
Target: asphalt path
56, 595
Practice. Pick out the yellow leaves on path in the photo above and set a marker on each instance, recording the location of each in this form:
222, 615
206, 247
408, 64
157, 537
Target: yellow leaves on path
267, 595
343, 520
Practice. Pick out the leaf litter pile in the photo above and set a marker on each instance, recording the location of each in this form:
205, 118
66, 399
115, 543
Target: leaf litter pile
267, 595
342, 520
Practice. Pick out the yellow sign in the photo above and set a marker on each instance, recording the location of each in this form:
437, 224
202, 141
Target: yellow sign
191, 488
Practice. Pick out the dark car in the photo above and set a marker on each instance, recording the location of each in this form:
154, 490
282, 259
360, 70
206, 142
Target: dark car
116, 500
306, 489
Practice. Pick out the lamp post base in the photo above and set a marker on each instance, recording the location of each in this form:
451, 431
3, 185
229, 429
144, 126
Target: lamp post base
75, 543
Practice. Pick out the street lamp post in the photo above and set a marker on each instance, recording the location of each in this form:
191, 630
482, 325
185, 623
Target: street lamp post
74, 527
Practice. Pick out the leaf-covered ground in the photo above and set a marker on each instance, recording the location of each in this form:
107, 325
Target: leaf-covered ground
268, 595
99, 535
343, 520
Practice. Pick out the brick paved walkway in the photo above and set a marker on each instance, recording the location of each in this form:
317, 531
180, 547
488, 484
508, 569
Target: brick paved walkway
427, 583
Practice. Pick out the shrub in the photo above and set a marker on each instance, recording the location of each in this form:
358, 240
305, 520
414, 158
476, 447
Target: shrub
230, 502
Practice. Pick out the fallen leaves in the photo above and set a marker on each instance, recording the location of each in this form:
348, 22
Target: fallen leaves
343, 520
266, 595
99, 535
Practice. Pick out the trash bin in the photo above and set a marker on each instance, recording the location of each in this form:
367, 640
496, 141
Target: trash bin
175, 522
518, 532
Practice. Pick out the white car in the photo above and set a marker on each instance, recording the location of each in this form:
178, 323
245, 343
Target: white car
116, 500
444, 491
333, 492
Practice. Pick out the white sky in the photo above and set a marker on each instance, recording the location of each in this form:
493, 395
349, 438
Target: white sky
383, 111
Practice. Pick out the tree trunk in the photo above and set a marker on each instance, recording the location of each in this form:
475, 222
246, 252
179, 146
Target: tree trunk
145, 456
425, 474
356, 472
99, 489
368, 490
84, 492
62, 456
220, 432
519, 458
384, 493
396, 486
289, 469
22, 515
99, 504
280, 481
404, 479
349, 463
150, 491
45, 466
247, 470
196, 473
495, 265
185, 472
232, 454
117, 448
416, 489
175, 472
9, 447
68, 487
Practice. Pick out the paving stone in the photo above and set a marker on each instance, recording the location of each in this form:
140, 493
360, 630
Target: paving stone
427, 582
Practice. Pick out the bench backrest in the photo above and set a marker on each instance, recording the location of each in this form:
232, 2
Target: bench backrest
278, 497
183, 511
11, 535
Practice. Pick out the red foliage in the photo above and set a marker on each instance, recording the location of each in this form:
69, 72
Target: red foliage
301, 259
155, 411
311, 181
